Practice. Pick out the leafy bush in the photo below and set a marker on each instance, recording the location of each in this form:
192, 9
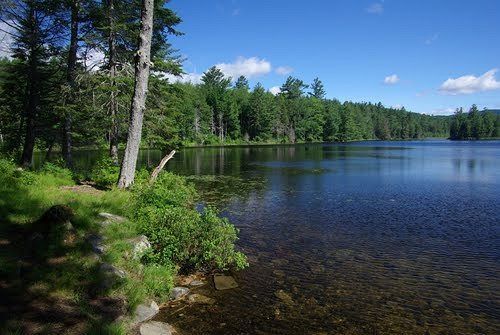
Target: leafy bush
105, 173
165, 213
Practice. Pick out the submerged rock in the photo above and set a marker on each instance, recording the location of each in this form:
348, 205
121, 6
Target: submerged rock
144, 312
156, 328
284, 297
178, 292
200, 299
223, 282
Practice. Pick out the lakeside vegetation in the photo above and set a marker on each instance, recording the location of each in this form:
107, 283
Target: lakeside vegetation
183, 240
474, 125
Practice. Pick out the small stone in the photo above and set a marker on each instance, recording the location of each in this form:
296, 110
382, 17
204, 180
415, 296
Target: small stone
97, 243
178, 292
156, 328
223, 282
196, 283
111, 218
200, 299
144, 313
111, 275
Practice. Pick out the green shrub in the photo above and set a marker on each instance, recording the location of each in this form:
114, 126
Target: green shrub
105, 173
57, 170
165, 213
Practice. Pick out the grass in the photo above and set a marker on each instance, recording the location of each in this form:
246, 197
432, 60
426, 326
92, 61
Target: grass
62, 281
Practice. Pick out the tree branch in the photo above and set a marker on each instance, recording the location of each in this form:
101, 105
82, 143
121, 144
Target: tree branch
160, 166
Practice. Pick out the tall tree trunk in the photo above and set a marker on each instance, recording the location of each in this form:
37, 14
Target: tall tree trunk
142, 64
71, 81
33, 93
113, 104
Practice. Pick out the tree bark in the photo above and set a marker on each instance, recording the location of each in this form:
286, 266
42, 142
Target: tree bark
142, 65
71, 81
113, 104
33, 92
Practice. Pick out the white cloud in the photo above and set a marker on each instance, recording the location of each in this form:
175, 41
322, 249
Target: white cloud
94, 58
275, 90
283, 70
398, 106
471, 84
391, 80
375, 8
248, 67
432, 39
193, 78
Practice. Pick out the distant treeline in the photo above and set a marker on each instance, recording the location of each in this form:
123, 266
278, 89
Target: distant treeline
213, 112
474, 124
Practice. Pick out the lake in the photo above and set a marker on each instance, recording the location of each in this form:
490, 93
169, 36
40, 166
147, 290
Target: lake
359, 238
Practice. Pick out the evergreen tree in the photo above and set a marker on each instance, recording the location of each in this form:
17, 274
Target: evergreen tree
317, 89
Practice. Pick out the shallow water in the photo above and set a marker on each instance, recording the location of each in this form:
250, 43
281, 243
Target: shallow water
363, 238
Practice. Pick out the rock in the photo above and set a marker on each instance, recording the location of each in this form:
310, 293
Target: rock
139, 246
111, 275
97, 243
284, 297
144, 312
109, 269
154, 305
223, 282
110, 218
196, 283
178, 292
156, 328
200, 299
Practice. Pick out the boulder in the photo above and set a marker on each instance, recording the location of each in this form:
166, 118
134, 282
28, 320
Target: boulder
223, 282
156, 328
140, 245
178, 292
145, 312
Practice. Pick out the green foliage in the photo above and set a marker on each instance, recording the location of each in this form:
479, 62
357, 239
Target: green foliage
105, 173
165, 213
474, 124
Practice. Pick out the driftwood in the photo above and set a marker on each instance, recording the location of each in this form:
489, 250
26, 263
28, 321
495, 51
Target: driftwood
160, 166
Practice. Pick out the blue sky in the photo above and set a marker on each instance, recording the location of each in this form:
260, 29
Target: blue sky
428, 56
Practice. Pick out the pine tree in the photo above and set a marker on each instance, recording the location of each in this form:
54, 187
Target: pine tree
317, 89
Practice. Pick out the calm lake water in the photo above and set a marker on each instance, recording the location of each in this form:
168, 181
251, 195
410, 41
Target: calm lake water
361, 238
